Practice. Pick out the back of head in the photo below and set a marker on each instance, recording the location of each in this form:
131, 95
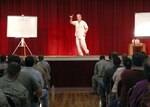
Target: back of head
124, 56
29, 61
127, 62
14, 58
146, 67
13, 69
35, 59
41, 57
116, 61
114, 54
102, 57
138, 59
2, 58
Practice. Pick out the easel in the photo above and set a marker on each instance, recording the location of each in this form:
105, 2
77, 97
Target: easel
23, 44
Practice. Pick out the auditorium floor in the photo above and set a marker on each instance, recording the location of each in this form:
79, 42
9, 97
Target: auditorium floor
73, 98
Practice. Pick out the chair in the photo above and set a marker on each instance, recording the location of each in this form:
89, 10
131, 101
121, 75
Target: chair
128, 96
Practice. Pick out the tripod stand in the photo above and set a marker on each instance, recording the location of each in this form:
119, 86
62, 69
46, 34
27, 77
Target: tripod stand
23, 44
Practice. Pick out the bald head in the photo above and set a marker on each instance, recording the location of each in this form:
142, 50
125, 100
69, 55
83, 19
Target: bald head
79, 17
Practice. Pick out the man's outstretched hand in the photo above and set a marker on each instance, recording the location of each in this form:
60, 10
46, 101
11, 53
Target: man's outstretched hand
71, 16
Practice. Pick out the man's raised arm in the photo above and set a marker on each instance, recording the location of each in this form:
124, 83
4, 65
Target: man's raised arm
71, 19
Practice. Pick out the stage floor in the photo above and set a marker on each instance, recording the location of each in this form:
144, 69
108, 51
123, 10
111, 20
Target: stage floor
73, 58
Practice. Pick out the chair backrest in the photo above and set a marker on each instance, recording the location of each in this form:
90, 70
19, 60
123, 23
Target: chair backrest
128, 96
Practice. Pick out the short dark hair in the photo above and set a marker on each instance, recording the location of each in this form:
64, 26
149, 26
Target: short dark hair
116, 61
138, 59
14, 58
13, 68
40, 57
29, 61
102, 57
127, 62
2, 58
35, 59
114, 54
146, 67
124, 56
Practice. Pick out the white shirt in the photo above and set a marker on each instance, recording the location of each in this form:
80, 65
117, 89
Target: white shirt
116, 78
80, 28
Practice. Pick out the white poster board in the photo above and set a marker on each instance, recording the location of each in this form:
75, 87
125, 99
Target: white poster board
142, 24
22, 26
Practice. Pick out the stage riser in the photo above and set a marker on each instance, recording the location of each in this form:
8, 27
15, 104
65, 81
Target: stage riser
72, 73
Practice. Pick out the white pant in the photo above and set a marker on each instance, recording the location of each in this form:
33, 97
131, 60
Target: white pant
81, 44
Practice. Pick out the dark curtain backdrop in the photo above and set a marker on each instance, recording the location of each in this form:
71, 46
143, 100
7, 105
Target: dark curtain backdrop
111, 25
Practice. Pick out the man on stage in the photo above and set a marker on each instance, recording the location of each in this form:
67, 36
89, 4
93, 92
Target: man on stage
81, 28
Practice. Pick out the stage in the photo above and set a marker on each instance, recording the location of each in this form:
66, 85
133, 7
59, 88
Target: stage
72, 71
73, 58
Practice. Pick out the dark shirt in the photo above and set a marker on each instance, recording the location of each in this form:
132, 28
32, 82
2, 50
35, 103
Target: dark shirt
108, 78
129, 79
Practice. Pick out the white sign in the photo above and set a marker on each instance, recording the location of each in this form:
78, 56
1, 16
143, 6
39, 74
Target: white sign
22, 26
142, 24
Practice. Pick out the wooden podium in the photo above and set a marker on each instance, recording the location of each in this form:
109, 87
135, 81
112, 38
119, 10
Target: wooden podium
133, 48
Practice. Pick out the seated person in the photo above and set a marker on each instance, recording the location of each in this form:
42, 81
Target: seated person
124, 56
110, 72
105, 84
29, 62
130, 78
141, 87
42, 71
45, 65
101, 66
13, 89
27, 81
117, 75
28, 68
3, 65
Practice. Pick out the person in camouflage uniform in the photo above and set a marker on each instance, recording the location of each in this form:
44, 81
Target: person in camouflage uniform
13, 89
100, 67
3, 101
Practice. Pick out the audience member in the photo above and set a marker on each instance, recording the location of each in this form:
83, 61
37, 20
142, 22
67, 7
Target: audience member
42, 71
100, 67
141, 87
105, 84
29, 62
28, 68
45, 65
13, 89
131, 77
27, 81
109, 73
122, 58
3, 65
117, 75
